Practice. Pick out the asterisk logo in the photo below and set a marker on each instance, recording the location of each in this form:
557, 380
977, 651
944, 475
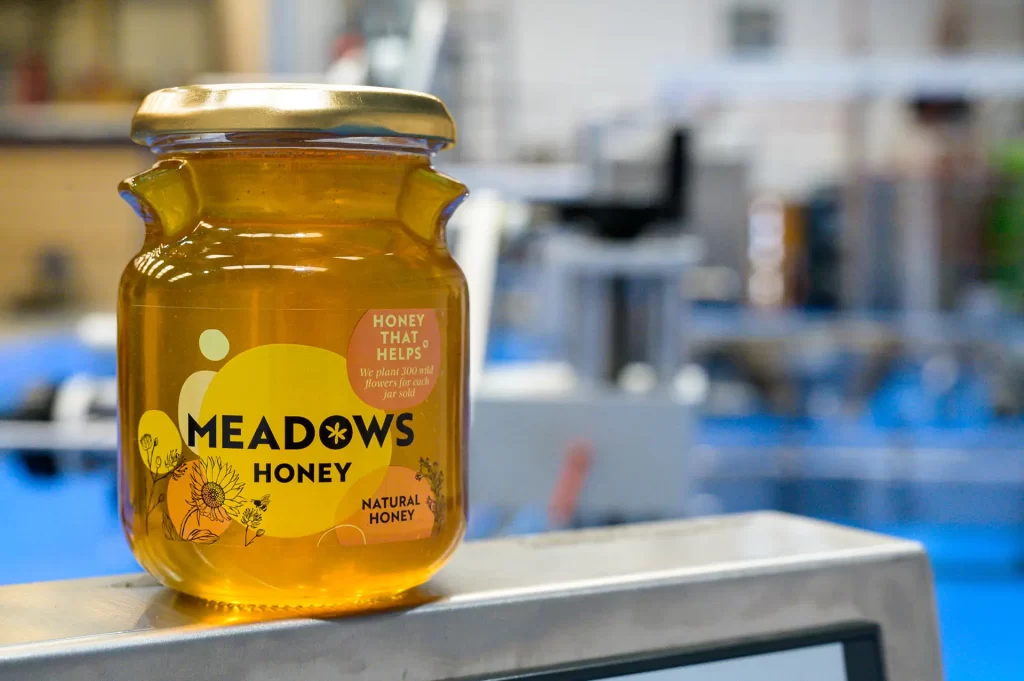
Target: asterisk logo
337, 432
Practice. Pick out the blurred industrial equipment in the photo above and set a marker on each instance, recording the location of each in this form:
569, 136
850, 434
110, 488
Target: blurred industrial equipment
722, 257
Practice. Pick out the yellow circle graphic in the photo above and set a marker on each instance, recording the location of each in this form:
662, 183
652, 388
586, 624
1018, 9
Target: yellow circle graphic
214, 345
159, 442
285, 418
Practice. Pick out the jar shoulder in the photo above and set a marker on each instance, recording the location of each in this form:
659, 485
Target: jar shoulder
359, 261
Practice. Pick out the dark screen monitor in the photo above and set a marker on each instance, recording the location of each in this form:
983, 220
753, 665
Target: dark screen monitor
845, 654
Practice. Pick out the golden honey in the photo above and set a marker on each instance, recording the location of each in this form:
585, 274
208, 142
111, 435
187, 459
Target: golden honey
292, 346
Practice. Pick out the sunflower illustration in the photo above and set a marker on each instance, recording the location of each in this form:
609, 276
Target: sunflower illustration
216, 491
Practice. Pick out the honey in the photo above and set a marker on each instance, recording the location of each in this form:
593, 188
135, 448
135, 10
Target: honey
292, 346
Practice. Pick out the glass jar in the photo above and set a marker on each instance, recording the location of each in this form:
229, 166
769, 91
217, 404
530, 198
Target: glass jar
292, 345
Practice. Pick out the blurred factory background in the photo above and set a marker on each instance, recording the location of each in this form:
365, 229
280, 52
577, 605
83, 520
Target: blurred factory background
725, 255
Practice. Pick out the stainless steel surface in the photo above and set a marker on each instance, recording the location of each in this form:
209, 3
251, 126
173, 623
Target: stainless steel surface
504, 606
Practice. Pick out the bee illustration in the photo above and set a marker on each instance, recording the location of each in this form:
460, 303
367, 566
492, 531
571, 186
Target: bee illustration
263, 503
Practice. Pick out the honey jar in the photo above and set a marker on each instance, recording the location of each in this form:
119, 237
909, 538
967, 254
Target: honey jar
292, 345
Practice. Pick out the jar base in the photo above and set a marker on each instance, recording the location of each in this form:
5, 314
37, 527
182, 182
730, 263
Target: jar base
220, 601
355, 604
223, 610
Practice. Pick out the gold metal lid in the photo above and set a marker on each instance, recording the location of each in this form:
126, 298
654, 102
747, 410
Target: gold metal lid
343, 110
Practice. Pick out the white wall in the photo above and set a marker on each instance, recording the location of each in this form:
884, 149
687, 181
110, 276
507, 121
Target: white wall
77, 43
301, 35
243, 35
577, 60
161, 43
581, 59
149, 43
997, 25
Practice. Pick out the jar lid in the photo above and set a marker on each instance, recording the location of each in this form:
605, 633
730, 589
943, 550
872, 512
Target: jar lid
342, 110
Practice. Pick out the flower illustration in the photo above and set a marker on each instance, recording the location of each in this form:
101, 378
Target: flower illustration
148, 445
174, 459
159, 444
432, 473
337, 432
216, 492
252, 518
159, 469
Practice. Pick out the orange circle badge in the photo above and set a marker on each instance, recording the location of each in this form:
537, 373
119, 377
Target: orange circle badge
394, 357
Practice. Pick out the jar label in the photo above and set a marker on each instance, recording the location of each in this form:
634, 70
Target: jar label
289, 440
